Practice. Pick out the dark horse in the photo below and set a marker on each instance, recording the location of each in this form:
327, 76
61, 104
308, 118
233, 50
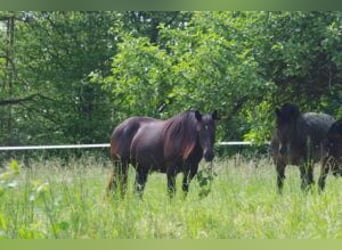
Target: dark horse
298, 140
169, 146
333, 159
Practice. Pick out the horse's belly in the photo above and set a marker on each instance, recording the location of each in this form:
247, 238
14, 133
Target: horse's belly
297, 157
158, 168
150, 162
162, 167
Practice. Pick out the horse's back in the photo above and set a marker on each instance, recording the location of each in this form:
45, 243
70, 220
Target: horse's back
123, 134
319, 120
315, 127
147, 145
312, 134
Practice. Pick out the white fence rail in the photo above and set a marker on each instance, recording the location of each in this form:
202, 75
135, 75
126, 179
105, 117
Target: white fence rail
102, 145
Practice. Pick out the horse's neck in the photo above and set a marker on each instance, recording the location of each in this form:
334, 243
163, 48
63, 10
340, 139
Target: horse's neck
299, 135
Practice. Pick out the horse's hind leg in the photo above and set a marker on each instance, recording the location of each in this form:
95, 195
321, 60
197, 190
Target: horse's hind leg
140, 181
112, 183
324, 173
336, 167
123, 170
306, 174
118, 178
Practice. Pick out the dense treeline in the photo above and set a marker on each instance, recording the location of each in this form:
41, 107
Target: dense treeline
70, 77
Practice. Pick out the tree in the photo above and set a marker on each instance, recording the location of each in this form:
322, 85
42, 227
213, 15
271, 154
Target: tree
55, 52
242, 63
75, 75
300, 52
199, 66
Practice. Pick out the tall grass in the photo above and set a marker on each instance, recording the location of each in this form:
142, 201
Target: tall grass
48, 200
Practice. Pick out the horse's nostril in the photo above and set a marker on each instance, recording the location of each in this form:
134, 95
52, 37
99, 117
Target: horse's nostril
208, 156
282, 150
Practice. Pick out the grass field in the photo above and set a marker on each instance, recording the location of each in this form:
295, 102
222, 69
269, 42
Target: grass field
50, 201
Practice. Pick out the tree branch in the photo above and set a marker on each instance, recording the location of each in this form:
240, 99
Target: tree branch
236, 107
21, 100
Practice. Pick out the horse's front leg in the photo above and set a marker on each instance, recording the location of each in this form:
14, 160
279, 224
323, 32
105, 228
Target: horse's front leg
189, 174
171, 180
280, 168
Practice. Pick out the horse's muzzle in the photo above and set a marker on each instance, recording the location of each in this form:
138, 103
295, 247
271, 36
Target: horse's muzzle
283, 150
208, 155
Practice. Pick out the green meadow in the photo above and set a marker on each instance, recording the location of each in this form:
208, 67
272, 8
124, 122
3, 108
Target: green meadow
51, 200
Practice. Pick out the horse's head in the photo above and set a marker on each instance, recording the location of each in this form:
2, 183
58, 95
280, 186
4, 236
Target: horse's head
286, 119
206, 128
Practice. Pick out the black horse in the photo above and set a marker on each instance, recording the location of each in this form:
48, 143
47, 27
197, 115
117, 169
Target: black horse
168, 146
333, 159
299, 139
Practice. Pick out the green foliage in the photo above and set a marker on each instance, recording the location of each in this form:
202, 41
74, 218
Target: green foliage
139, 80
241, 63
259, 119
205, 178
84, 72
7, 176
7, 181
54, 53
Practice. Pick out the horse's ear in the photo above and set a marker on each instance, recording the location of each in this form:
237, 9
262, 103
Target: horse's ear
215, 116
198, 115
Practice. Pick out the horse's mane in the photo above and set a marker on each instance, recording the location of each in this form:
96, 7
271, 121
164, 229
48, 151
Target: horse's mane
182, 129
